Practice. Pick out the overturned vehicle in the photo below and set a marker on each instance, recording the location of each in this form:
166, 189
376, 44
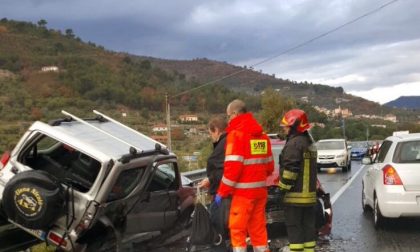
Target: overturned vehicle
92, 184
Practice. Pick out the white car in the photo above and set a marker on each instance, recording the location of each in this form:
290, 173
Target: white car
391, 184
333, 153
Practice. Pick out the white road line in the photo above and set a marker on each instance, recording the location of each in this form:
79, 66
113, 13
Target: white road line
344, 187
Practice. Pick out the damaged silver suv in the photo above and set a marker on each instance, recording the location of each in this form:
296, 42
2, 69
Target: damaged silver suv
92, 185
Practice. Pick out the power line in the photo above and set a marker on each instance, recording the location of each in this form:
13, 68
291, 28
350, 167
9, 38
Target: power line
290, 49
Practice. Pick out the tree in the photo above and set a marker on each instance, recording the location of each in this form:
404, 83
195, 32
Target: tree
273, 107
69, 33
42, 23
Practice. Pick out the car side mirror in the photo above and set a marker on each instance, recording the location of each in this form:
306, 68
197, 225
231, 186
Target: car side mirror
349, 147
366, 160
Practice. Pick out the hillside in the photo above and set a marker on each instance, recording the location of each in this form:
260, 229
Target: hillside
253, 82
44, 71
408, 102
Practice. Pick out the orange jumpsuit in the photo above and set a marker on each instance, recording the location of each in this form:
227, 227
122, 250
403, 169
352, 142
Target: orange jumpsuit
248, 162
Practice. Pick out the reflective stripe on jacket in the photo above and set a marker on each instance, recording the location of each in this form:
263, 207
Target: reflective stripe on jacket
298, 171
248, 159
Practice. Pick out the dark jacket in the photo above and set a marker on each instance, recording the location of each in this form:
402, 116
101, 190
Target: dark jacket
215, 164
298, 171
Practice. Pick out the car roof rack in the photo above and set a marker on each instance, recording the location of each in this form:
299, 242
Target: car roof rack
134, 151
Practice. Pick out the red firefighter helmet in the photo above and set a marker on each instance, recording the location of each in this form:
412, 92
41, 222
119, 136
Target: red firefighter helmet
296, 118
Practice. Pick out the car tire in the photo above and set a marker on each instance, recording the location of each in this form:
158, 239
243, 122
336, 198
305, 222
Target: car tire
378, 219
345, 168
33, 199
349, 165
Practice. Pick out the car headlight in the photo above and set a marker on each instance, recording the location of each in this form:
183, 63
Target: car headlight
340, 156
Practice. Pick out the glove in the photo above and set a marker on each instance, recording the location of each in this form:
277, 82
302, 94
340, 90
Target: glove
280, 194
218, 200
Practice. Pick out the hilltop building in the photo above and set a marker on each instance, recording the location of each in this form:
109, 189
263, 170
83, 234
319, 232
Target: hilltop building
188, 118
49, 69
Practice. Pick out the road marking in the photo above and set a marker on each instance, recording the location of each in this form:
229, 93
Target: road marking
344, 187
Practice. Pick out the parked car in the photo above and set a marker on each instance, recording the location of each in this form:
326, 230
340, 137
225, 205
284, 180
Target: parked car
275, 210
92, 185
333, 153
391, 183
359, 149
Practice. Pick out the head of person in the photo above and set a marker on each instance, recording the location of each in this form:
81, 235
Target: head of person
295, 121
216, 126
235, 108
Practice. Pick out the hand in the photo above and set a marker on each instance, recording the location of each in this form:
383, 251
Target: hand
204, 183
218, 200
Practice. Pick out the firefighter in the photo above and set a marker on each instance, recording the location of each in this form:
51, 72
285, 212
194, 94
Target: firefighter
248, 162
298, 178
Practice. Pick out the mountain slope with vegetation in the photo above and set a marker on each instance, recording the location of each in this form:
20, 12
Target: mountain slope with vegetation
252, 81
82, 76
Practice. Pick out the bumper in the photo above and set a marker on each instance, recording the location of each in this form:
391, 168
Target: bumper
357, 155
395, 202
328, 163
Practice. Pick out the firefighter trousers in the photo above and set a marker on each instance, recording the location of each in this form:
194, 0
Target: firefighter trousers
247, 216
300, 224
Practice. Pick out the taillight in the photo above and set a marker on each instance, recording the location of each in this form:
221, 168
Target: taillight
4, 159
87, 217
391, 176
57, 239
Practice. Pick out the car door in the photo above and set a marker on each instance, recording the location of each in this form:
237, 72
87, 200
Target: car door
158, 208
375, 173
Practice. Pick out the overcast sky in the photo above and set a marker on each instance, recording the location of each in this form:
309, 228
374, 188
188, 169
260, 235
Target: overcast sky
377, 57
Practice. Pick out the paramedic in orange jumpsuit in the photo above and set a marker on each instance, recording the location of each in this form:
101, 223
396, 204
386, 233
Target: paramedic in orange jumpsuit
248, 162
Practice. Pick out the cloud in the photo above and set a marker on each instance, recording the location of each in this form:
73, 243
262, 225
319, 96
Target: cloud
379, 50
386, 94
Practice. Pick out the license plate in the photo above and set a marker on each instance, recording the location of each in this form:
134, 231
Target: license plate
36, 232
354, 155
325, 161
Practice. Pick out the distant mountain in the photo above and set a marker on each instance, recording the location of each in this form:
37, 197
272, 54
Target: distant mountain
409, 102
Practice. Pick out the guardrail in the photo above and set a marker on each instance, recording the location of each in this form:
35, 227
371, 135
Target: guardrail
195, 175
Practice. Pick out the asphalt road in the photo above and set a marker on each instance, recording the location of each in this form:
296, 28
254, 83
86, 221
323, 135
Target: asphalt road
353, 229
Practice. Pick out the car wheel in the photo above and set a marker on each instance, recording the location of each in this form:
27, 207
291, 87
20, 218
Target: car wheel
33, 199
378, 219
364, 205
345, 168
319, 169
349, 165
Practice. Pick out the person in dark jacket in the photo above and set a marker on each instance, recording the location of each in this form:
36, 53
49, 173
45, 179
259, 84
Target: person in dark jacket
298, 178
214, 170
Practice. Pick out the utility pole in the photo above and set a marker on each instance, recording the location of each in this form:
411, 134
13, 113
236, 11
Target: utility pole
168, 122
344, 128
367, 133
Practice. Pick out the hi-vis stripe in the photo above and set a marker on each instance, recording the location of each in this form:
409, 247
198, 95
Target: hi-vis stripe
243, 185
249, 161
